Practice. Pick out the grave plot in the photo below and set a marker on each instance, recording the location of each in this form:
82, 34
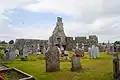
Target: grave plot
13, 74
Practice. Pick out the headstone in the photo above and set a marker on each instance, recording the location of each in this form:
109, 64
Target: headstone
82, 52
44, 50
97, 52
83, 47
77, 45
66, 54
76, 65
17, 51
93, 55
90, 52
52, 59
12, 54
115, 65
25, 51
77, 51
108, 50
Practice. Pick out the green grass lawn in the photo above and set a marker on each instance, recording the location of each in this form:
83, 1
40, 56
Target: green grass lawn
99, 69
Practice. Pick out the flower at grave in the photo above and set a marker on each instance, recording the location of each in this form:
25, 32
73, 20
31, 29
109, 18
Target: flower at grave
72, 56
2, 76
77, 55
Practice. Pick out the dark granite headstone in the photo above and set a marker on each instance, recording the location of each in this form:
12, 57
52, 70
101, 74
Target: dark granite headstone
52, 59
76, 65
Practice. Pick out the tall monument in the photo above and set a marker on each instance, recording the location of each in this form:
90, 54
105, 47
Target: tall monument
58, 37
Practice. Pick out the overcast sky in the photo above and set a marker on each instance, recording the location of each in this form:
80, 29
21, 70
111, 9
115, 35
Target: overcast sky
37, 18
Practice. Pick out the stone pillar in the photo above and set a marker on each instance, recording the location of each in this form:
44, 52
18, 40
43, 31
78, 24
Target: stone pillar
76, 65
52, 59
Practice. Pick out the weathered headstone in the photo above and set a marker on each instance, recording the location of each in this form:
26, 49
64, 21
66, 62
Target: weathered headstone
108, 50
12, 54
115, 64
76, 65
52, 59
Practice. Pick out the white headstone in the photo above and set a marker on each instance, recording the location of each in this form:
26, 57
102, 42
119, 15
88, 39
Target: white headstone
25, 51
97, 52
93, 52
90, 51
38, 47
17, 51
44, 50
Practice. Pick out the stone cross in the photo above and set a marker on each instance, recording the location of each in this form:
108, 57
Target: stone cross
52, 59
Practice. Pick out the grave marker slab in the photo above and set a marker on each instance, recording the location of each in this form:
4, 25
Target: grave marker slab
12, 54
52, 59
76, 65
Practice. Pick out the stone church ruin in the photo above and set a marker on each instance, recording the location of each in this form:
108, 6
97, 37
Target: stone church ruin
58, 38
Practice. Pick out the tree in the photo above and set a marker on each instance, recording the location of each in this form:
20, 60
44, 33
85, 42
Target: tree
3, 42
103, 43
117, 42
11, 42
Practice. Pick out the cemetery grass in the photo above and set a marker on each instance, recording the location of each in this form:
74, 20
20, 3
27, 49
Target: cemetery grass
98, 69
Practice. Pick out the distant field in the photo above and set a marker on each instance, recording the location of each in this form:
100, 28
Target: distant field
99, 69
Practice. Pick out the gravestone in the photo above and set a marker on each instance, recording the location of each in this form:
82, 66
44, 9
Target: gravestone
93, 55
52, 59
90, 52
66, 55
25, 51
108, 50
17, 52
116, 64
44, 50
12, 54
76, 65
97, 52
